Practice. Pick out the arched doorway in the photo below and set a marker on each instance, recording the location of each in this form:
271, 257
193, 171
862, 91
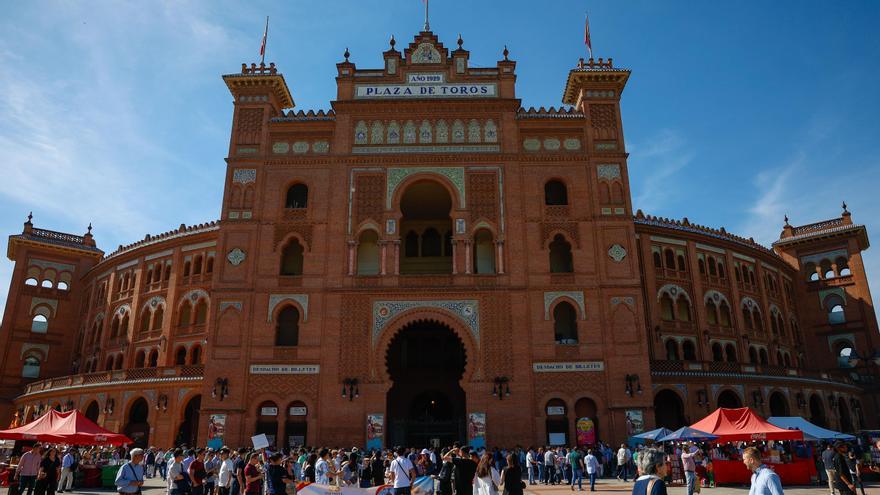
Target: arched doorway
93, 411
426, 404
426, 229
778, 404
846, 424
189, 428
557, 422
668, 410
267, 421
586, 408
137, 428
729, 400
296, 426
817, 411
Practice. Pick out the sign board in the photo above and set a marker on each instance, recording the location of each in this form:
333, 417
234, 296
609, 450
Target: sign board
260, 441
297, 411
555, 410
427, 90
567, 367
425, 78
285, 369
268, 411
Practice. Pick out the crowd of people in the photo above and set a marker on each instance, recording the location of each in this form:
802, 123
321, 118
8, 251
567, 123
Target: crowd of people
456, 470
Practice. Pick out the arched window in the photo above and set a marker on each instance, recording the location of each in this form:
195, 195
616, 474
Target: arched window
411, 245
683, 309
713, 268
672, 350
32, 282
209, 265
484, 252
195, 355
688, 351
197, 265
154, 358
753, 355
711, 312
724, 315
560, 255
123, 326
40, 324
118, 365
186, 268
145, 321
787, 360
670, 259
555, 193
717, 353
287, 329
658, 261
185, 318
747, 318
368, 253
140, 359
180, 356
843, 267
667, 308
297, 196
764, 358
201, 312
108, 365
758, 319
47, 284
682, 265
730, 352
565, 323
844, 354
827, 271
31, 367
834, 306
431, 242
774, 326
158, 315
292, 258
701, 266
62, 286
721, 273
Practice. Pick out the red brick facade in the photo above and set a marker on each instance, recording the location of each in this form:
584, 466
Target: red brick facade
426, 250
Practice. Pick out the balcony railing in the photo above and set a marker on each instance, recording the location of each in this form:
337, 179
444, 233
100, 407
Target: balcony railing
675, 367
167, 373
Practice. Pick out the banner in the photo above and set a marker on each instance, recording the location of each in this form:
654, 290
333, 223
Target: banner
477, 430
635, 422
375, 431
216, 430
586, 432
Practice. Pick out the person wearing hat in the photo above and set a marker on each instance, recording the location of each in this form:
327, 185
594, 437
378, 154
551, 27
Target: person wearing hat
130, 477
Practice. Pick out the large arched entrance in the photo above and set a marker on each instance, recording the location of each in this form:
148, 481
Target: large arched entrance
189, 427
426, 404
137, 428
93, 411
426, 229
668, 410
729, 400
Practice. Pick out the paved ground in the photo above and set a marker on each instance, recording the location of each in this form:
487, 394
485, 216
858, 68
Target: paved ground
155, 486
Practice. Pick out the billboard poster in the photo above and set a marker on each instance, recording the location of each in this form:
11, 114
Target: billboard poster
375, 430
216, 429
586, 432
635, 422
477, 430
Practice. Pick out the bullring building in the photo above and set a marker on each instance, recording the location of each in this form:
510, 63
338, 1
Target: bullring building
428, 261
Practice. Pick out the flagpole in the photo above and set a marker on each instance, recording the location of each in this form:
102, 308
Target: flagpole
427, 26
265, 39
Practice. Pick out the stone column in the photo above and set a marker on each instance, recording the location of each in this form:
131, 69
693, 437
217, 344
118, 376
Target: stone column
455, 256
397, 257
499, 264
351, 251
383, 253
467, 257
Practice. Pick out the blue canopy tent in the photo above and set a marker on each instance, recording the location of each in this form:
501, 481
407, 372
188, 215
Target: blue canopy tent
811, 431
648, 436
686, 433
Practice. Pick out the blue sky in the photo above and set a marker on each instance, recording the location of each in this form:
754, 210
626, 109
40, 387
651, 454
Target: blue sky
736, 113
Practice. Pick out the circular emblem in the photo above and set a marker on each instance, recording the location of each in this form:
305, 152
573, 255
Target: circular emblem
235, 257
383, 311
468, 310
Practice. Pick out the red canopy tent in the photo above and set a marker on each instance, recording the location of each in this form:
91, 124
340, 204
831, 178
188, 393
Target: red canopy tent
742, 424
69, 427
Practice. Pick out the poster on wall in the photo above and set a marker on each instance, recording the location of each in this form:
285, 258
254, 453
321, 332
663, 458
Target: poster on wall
586, 432
635, 422
477, 430
375, 431
216, 430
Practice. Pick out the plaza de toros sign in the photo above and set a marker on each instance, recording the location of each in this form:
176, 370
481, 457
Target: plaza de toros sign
425, 85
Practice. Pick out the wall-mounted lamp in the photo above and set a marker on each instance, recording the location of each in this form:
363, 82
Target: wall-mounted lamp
109, 405
501, 387
702, 398
801, 401
350, 389
633, 385
162, 403
221, 388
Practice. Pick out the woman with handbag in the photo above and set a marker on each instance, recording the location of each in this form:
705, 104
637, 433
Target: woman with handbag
487, 478
511, 477
47, 477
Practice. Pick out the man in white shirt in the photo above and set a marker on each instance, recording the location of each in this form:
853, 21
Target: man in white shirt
623, 457
224, 478
402, 473
531, 465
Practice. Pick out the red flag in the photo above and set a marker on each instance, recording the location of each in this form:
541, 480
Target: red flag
263, 44
587, 36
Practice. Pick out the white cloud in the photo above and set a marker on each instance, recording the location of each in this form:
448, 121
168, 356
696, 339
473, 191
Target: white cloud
653, 163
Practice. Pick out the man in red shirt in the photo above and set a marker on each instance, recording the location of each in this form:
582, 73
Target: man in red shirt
252, 475
197, 473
